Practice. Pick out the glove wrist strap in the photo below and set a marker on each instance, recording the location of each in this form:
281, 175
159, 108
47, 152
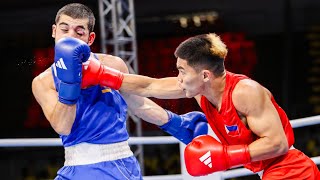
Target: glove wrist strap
238, 155
173, 124
111, 78
69, 93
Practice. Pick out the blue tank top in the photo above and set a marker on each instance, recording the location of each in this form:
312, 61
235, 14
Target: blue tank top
100, 117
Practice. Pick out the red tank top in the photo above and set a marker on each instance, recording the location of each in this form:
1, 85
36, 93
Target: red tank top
228, 126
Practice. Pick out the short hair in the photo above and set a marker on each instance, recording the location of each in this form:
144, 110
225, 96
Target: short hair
77, 11
205, 51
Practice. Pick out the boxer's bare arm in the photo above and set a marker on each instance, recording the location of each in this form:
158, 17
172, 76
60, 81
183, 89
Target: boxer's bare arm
146, 109
163, 88
254, 103
60, 116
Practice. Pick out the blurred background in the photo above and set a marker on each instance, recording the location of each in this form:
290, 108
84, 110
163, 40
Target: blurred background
274, 42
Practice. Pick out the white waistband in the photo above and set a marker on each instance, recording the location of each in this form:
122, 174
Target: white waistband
85, 153
260, 173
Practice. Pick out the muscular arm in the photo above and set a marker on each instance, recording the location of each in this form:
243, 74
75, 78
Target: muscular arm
60, 116
108, 74
164, 88
254, 102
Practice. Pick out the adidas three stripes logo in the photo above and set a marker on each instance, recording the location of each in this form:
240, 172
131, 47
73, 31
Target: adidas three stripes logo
60, 64
206, 159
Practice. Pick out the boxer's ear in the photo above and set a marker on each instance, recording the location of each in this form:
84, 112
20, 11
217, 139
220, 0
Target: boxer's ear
207, 75
54, 27
91, 39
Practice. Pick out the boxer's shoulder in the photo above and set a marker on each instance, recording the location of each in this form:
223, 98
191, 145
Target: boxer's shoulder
44, 78
113, 62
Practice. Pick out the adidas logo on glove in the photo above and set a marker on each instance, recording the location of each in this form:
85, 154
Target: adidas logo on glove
206, 159
60, 64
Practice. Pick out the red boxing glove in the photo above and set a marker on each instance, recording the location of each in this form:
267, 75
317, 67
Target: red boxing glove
205, 155
95, 73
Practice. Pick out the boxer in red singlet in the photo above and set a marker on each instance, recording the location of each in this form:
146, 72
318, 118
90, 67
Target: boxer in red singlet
253, 129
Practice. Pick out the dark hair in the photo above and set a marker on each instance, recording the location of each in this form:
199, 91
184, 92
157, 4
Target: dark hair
77, 11
205, 51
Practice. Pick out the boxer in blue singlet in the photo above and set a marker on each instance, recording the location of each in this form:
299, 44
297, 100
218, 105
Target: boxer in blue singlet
91, 120
106, 148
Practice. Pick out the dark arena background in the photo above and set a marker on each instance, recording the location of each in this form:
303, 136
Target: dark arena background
274, 42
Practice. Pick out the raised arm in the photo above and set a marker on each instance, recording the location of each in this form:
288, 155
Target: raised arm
164, 88
61, 116
58, 88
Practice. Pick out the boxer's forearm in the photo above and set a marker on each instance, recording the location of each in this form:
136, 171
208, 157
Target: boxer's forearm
266, 148
164, 88
62, 118
146, 109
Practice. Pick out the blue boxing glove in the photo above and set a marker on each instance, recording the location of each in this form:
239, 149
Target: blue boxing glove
69, 55
187, 126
